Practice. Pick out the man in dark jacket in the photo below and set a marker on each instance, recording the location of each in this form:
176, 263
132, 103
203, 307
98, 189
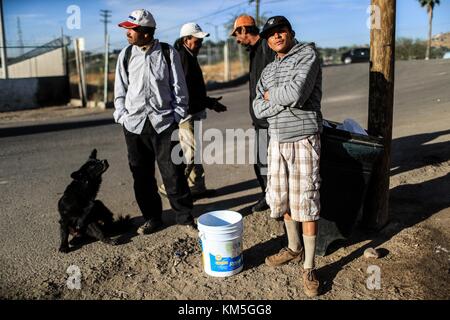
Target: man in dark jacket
188, 46
247, 34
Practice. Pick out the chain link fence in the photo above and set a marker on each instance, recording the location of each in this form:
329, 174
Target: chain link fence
34, 61
93, 62
221, 62
215, 65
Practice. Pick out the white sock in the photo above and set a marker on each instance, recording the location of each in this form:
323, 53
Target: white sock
293, 235
310, 251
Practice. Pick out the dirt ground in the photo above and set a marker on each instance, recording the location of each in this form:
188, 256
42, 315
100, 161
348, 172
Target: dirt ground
414, 245
415, 262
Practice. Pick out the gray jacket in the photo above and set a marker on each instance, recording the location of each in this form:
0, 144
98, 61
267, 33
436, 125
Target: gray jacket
294, 84
150, 91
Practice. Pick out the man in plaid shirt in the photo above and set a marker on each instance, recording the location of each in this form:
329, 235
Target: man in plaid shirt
288, 95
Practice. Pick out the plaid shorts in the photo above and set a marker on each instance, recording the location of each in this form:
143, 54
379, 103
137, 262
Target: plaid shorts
293, 179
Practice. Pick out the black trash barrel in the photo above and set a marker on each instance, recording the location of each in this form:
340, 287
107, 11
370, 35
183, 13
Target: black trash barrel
346, 164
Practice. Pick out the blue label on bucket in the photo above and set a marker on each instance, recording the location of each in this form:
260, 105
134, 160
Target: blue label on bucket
225, 264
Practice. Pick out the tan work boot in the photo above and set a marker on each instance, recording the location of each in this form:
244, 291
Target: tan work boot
284, 256
310, 283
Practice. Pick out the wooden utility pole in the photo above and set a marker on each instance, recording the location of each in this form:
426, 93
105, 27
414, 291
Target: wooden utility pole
381, 102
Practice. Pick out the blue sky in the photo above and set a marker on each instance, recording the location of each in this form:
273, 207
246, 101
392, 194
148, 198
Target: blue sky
329, 23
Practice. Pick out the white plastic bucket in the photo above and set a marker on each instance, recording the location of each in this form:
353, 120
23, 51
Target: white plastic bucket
220, 235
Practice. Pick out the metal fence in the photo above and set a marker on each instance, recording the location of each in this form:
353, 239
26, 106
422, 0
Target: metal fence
34, 61
223, 61
220, 62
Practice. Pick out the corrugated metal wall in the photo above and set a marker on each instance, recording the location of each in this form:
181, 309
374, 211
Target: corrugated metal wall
50, 64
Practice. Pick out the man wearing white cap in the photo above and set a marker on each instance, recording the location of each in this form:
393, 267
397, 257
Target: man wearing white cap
188, 46
151, 98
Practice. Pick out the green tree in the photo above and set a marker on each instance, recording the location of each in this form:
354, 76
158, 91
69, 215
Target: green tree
429, 5
409, 49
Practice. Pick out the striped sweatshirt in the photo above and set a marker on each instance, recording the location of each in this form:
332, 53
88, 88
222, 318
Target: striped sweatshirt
294, 83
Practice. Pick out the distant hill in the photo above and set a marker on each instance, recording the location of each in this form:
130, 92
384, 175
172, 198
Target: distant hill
441, 40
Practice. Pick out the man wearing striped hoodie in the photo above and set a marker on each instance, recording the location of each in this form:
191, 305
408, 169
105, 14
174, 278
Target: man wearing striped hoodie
288, 95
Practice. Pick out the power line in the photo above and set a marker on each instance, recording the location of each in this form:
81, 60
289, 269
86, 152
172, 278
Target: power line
202, 17
216, 13
206, 16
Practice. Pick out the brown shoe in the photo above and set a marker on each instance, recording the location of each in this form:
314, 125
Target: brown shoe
310, 283
284, 256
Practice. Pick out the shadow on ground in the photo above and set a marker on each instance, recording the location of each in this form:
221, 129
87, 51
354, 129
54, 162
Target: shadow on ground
253, 257
409, 204
412, 152
51, 127
199, 209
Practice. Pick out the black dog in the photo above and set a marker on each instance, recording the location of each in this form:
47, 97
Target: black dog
80, 213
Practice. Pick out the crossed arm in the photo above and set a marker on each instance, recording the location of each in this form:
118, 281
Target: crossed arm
297, 91
262, 106
271, 101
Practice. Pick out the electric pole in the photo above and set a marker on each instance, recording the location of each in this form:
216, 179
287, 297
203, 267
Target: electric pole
257, 3
381, 108
258, 23
106, 14
19, 36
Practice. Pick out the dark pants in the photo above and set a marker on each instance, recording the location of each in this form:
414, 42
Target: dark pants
143, 150
262, 144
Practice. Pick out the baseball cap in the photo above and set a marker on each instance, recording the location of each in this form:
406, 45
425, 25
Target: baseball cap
192, 29
139, 18
242, 21
274, 22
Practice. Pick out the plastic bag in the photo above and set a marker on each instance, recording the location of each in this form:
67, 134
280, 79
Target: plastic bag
351, 125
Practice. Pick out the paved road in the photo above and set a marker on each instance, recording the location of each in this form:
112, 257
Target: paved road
36, 161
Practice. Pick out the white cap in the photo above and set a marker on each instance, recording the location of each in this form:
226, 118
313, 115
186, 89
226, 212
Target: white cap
139, 18
192, 29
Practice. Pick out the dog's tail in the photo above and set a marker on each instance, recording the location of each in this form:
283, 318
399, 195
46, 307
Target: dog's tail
121, 225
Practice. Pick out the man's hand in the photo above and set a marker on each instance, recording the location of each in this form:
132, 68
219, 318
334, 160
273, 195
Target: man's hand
216, 105
266, 95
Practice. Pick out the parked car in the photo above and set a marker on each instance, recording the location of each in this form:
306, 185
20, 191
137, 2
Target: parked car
356, 55
446, 55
